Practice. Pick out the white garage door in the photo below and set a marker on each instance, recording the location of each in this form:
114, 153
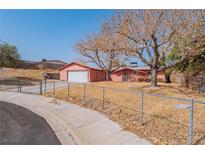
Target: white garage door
77, 76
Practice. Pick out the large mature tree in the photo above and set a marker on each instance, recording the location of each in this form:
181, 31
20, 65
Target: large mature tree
103, 50
195, 63
150, 35
9, 55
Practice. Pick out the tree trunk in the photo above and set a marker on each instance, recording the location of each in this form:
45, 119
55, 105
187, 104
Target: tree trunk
167, 78
107, 76
154, 77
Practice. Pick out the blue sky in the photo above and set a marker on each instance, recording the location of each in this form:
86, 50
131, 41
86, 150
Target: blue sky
49, 34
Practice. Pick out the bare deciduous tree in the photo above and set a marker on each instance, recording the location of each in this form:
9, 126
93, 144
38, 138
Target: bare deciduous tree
150, 35
103, 50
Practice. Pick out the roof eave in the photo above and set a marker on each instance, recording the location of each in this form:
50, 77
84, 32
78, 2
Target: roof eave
79, 65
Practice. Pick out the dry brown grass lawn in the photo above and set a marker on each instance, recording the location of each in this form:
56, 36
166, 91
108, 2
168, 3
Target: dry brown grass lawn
34, 74
163, 88
164, 123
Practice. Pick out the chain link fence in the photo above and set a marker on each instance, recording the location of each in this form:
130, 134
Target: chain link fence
172, 120
159, 118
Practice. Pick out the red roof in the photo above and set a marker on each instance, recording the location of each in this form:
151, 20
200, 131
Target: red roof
77, 63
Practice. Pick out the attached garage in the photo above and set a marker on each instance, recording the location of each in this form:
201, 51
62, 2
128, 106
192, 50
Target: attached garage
78, 76
76, 72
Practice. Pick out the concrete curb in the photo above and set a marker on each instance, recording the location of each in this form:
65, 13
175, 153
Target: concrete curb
65, 136
69, 129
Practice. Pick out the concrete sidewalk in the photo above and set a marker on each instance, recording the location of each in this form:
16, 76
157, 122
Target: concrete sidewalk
73, 124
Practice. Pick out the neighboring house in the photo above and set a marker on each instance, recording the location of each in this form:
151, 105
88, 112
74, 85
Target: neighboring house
135, 74
76, 72
52, 64
26, 64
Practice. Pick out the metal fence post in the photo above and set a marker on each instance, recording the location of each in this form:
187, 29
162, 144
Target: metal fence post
54, 88
84, 95
68, 91
20, 86
103, 99
45, 86
142, 107
0, 83
40, 87
191, 109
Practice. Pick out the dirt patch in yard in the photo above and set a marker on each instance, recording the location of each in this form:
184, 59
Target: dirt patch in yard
32, 74
163, 122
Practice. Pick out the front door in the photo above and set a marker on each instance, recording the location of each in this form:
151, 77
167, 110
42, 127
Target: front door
125, 77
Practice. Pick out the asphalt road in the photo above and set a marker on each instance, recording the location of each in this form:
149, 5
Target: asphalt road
20, 126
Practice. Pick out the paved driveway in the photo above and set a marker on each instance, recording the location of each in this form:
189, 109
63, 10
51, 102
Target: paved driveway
18, 125
35, 89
